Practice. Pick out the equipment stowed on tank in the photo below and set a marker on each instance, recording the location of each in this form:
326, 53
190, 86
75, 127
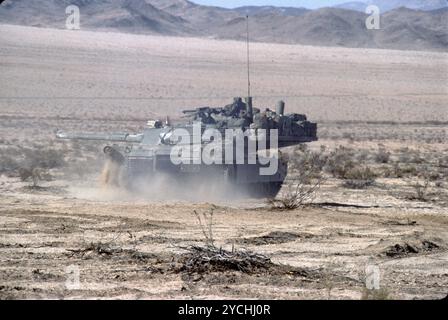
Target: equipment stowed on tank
146, 155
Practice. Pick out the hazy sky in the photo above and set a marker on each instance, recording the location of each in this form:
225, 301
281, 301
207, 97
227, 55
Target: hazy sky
282, 3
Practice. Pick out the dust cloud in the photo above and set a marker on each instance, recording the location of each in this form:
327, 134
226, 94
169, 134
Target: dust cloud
112, 185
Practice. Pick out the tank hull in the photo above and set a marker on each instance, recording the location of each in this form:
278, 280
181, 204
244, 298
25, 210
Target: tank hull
243, 179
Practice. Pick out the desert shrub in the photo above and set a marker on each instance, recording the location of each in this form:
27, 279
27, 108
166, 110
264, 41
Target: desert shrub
421, 190
11, 159
8, 164
209, 258
301, 148
343, 163
410, 156
46, 159
433, 175
360, 173
382, 156
363, 156
443, 162
205, 222
307, 164
35, 175
297, 195
340, 162
373, 294
360, 178
409, 170
400, 171
14, 158
439, 184
348, 136
307, 179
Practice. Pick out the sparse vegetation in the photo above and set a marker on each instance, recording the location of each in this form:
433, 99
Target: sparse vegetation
297, 194
35, 175
359, 178
14, 158
108, 251
421, 190
345, 164
382, 156
209, 258
205, 222
376, 294
340, 162
400, 171
307, 179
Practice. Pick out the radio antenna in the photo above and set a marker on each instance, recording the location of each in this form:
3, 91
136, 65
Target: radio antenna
248, 57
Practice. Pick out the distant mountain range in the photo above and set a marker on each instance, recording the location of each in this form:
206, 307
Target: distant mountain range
401, 28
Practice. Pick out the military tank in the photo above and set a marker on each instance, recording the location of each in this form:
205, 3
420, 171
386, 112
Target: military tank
149, 154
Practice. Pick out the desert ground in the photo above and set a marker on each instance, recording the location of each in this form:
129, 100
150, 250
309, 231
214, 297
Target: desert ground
383, 199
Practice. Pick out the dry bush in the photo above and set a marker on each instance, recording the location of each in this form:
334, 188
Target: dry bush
108, 251
398, 171
360, 178
72, 162
32, 164
345, 164
299, 194
205, 222
99, 248
340, 162
421, 191
410, 156
11, 159
8, 164
423, 183
374, 294
14, 158
44, 158
209, 258
382, 156
308, 177
363, 156
306, 163
35, 175
433, 175
443, 162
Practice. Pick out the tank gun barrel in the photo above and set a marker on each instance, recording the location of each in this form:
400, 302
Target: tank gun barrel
113, 137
